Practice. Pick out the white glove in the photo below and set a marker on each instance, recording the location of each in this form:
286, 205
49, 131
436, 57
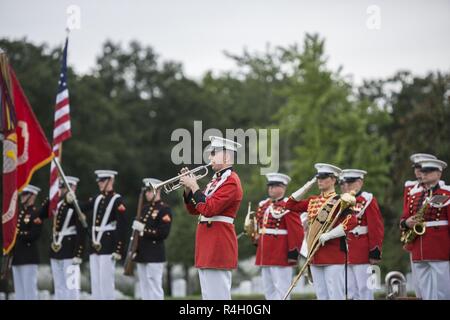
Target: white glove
70, 197
337, 232
116, 257
300, 193
138, 226
77, 260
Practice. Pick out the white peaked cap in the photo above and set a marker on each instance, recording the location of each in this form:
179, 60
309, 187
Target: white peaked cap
72, 180
32, 189
433, 163
416, 157
150, 181
327, 168
353, 174
278, 178
105, 173
218, 142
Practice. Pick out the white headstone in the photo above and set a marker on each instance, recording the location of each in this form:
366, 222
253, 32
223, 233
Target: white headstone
245, 287
179, 288
409, 282
257, 285
137, 291
44, 295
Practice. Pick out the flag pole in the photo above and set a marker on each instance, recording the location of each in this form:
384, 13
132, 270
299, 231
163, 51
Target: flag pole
60, 152
5, 267
81, 215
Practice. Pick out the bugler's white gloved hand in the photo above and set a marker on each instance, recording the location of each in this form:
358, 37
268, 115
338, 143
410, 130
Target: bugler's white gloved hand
77, 260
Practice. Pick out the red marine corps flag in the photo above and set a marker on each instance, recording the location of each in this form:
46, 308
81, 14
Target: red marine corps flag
25, 147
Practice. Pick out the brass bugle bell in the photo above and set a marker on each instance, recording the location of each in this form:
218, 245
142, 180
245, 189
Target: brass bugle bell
174, 183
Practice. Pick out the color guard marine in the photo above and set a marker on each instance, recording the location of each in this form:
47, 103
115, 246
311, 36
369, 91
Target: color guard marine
153, 226
26, 258
67, 245
107, 235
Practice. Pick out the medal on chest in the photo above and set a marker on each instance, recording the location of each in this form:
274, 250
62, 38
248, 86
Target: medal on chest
358, 207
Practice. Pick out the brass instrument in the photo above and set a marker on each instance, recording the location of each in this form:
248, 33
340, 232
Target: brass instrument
408, 236
395, 285
250, 223
346, 200
174, 183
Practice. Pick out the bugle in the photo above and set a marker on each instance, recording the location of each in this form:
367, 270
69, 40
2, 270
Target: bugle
174, 183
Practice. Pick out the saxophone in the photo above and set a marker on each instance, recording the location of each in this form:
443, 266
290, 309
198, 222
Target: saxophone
408, 236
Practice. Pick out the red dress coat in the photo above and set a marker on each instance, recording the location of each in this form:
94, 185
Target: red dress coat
362, 247
278, 249
215, 242
434, 245
407, 188
332, 252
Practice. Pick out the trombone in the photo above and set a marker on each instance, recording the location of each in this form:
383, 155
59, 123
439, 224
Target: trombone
174, 183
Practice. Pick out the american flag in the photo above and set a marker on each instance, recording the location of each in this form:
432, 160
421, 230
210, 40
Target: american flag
61, 128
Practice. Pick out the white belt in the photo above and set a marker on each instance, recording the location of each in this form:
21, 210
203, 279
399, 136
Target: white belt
67, 232
273, 231
360, 230
108, 227
436, 223
217, 219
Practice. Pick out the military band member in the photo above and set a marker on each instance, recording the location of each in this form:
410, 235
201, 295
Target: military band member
67, 246
342, 185
328, 264
108, 232
430, 251
409, 185
154, 227
366, 239
279, 240
26, 253
216, 251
